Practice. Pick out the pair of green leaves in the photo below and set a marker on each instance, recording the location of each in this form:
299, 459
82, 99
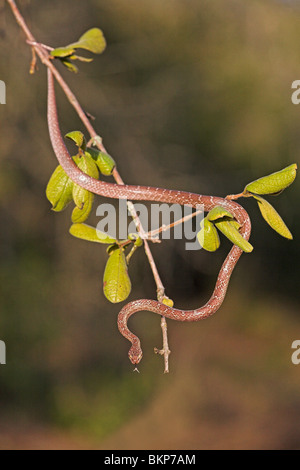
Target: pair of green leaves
61, 190
272, 185
92, 41
116, 281
221, 219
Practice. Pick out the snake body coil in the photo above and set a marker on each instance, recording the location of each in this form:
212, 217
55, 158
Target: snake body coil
148, 193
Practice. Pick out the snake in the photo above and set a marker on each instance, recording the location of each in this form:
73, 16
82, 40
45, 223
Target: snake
149, 193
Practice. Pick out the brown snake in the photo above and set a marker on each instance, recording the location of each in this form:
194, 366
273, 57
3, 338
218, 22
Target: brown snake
148, 193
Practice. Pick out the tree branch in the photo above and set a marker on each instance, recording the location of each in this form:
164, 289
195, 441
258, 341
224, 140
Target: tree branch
40, 50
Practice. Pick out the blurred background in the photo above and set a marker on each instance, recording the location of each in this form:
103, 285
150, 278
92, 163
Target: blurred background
191, 95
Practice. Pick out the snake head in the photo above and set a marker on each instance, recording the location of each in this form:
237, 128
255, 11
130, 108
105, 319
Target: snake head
135, 354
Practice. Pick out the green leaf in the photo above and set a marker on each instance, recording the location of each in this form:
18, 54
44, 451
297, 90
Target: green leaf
105, 162
112, 248
116, 281
274, 183
59, 190
229, 230
78, 138
86, 232
83, 198
94, 153
62, 52
272, 217
89, 167
138, 241
92, 40
235, 223
82, 59
81, 212
218, 212
70, 66
208, 236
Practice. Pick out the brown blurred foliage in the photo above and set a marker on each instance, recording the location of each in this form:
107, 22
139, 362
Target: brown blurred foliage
188, 95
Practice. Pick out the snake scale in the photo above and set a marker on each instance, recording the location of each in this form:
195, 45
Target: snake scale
148, 193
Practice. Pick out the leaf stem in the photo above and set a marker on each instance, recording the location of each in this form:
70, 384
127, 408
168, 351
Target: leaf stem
233, 197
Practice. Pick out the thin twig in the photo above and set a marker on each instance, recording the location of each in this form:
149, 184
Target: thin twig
40, 50
165, 351
151, 235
